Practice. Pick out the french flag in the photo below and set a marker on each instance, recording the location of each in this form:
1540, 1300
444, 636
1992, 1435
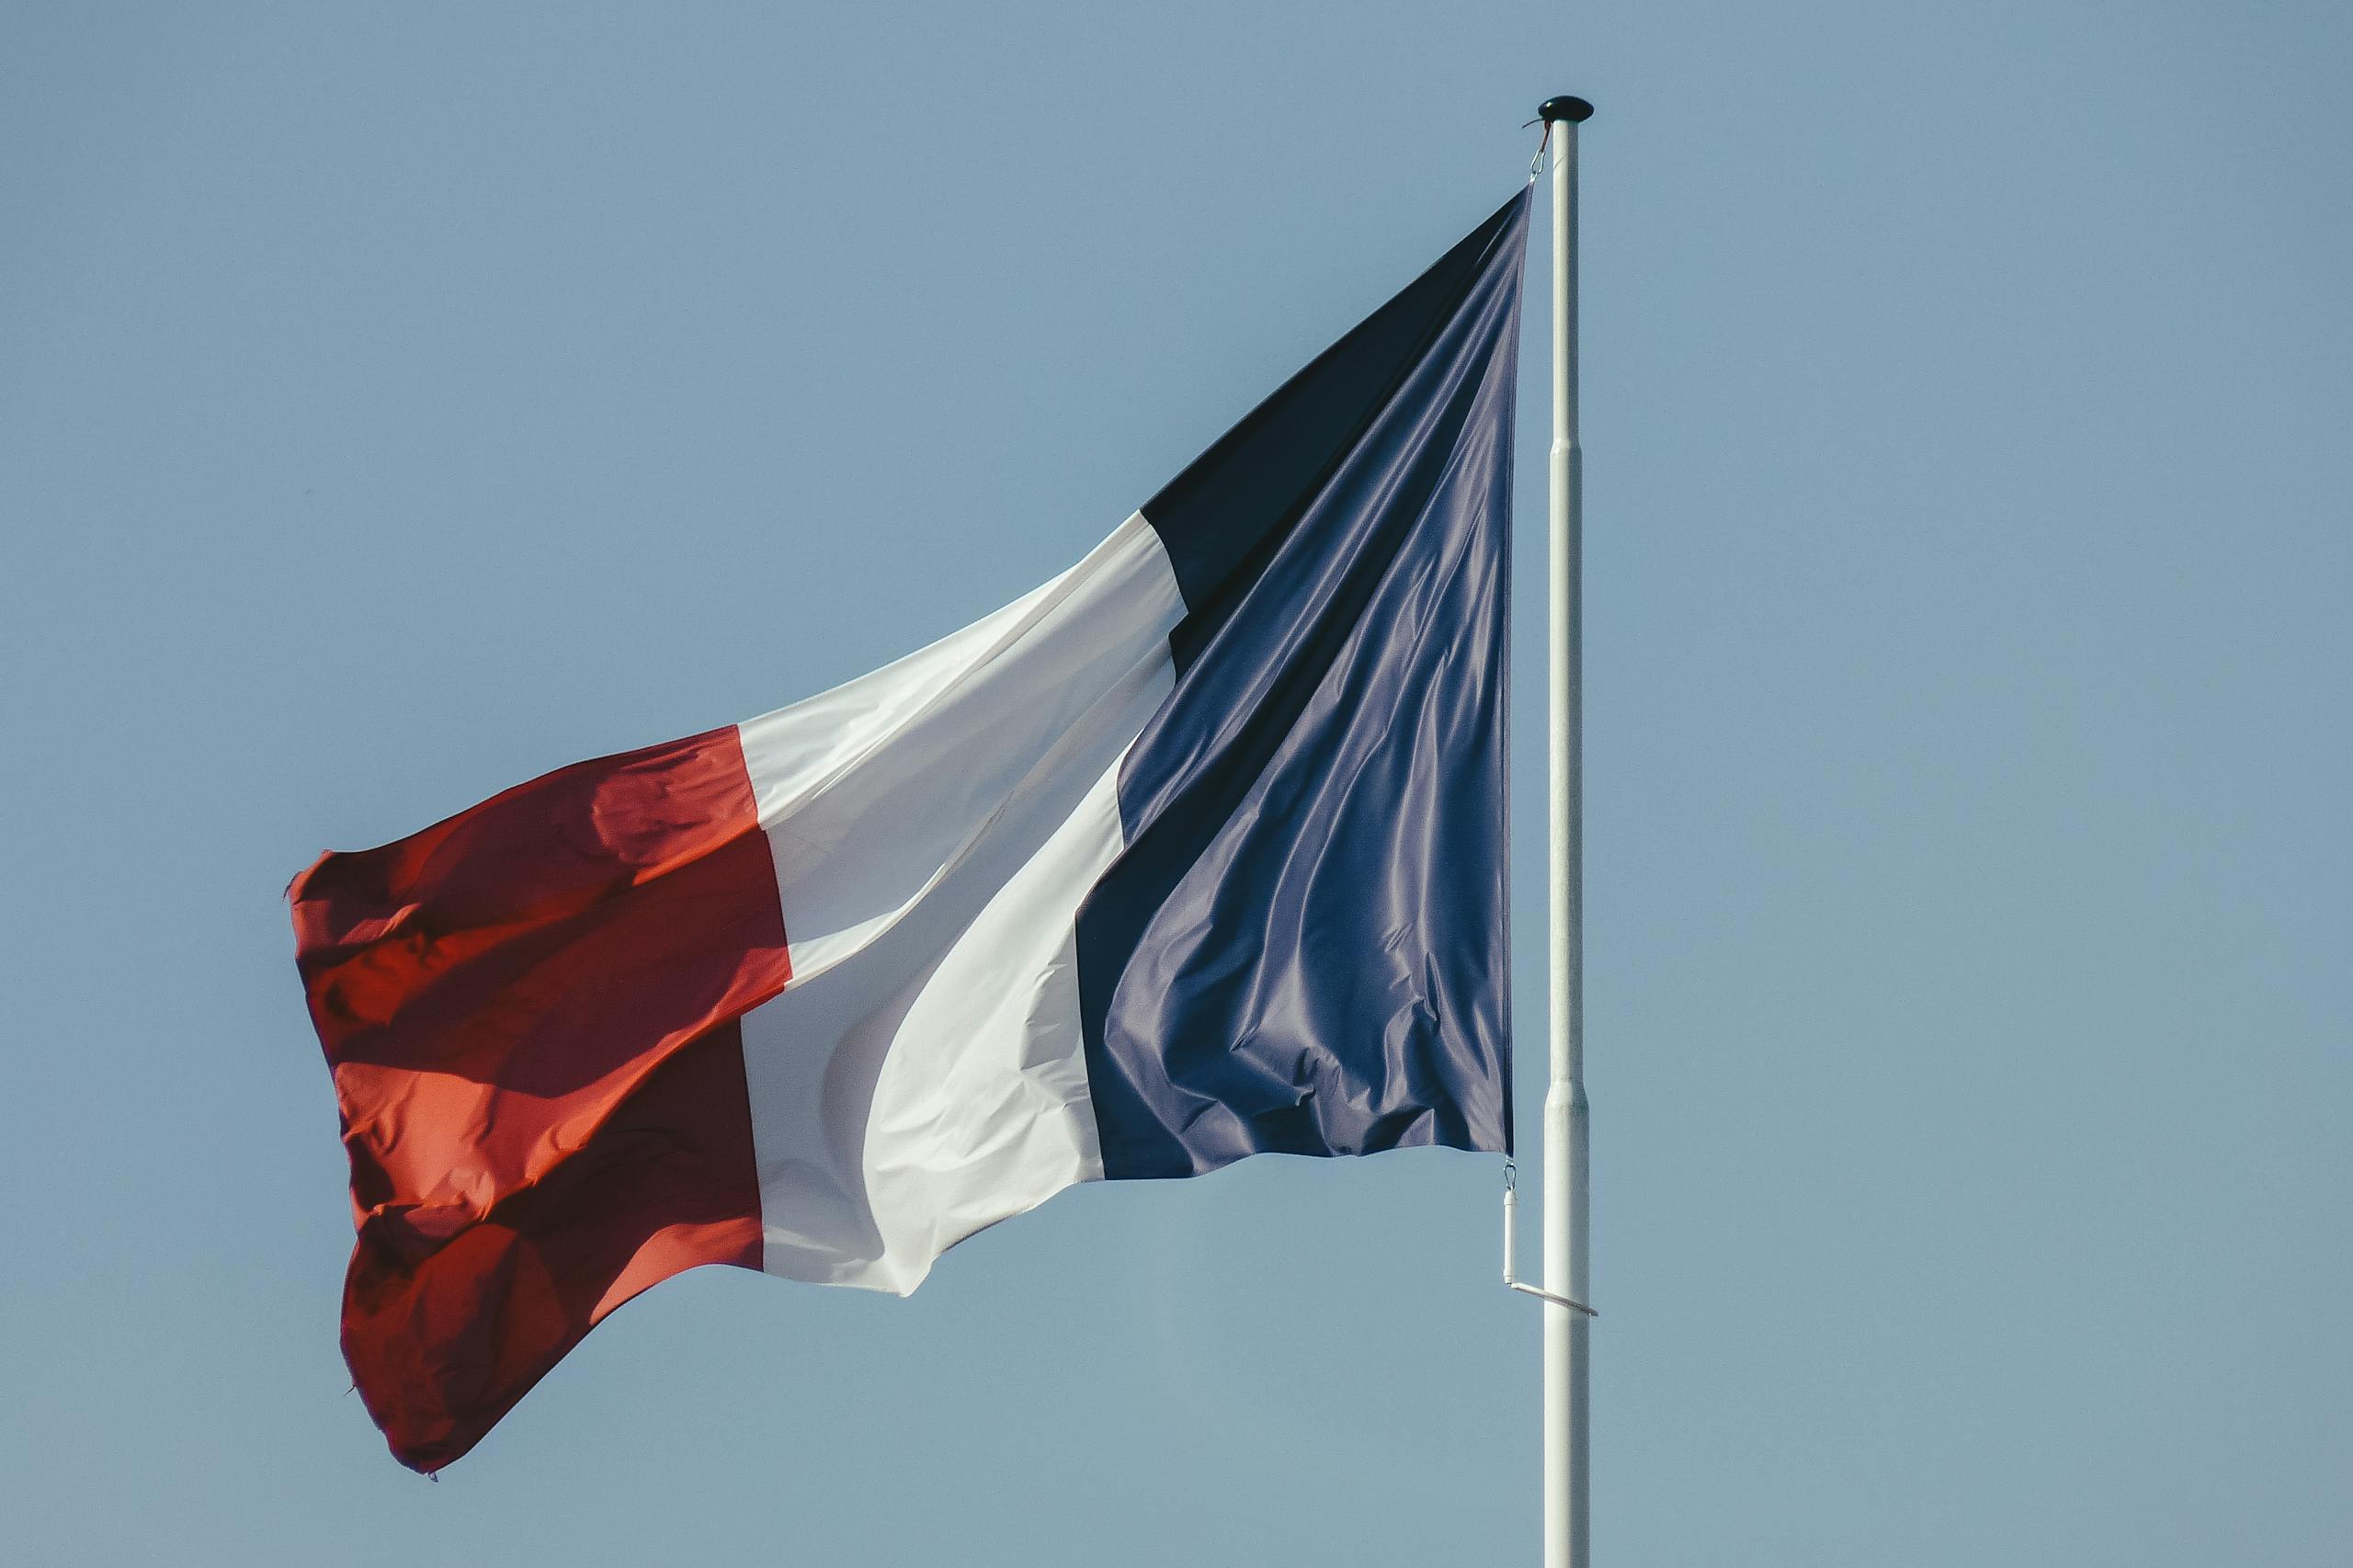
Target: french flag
1195, 852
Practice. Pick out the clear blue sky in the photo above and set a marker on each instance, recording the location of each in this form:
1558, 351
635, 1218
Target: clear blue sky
396, 401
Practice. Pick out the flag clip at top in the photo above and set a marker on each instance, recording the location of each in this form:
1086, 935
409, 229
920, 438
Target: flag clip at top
1567, 106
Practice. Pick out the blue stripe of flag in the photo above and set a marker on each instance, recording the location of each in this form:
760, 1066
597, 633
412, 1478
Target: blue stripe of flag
1303, 948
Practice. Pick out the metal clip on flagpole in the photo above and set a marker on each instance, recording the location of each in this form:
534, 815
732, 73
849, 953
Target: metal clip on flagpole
1511, 1249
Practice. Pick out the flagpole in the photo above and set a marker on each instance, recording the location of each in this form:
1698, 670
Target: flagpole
1566, 1164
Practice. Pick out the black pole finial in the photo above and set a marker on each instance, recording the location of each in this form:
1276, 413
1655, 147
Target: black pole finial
1575, 110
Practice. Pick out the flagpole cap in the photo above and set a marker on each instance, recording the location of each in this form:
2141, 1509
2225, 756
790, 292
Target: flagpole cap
1577, 111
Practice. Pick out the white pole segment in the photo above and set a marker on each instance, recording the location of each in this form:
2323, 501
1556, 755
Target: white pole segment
1566, 1527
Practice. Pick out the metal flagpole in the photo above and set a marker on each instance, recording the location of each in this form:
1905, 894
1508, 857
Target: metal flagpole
1566, 1166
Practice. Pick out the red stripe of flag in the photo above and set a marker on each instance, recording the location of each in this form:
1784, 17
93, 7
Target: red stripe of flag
528, 1009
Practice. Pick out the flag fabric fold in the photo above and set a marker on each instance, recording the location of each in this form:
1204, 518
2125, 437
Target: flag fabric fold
1195, 852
